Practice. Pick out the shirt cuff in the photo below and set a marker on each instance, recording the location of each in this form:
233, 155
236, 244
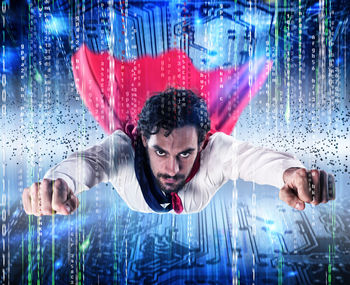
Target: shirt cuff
70, 182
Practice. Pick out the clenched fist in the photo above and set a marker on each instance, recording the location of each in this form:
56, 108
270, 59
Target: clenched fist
49, 197
303, 186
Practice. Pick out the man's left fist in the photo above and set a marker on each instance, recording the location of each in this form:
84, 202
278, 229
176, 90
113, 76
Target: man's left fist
306, 186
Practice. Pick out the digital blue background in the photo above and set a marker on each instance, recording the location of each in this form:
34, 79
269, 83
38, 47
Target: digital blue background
246, 235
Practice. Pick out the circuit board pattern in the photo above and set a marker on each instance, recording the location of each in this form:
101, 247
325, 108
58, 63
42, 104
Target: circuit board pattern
128, 247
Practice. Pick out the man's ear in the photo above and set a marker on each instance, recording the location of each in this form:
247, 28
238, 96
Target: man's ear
144, 140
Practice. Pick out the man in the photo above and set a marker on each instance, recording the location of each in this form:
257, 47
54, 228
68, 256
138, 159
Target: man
173, 164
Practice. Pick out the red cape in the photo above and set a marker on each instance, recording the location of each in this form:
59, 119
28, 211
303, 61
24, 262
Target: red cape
115, 90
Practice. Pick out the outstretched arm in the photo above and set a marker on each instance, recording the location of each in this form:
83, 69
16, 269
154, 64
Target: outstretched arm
299, 186
263, 166
79, 172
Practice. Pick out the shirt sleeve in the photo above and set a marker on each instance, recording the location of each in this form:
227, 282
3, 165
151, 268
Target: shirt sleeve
84, 169
260, 165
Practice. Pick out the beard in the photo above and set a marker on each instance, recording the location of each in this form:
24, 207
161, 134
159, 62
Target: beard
171, 187
167, 187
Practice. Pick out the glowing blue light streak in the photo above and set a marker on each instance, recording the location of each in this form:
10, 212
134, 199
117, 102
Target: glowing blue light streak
292, 273
338, 61
12, 59
314, 9
57, 26
198, 21
58, 264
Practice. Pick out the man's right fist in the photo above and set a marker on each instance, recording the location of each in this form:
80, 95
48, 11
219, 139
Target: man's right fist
49, 197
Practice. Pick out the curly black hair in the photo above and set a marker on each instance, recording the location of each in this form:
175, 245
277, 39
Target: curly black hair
174, 108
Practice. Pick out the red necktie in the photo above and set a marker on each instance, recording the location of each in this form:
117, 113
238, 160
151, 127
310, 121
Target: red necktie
177, 204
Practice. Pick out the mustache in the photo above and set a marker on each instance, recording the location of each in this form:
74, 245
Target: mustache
175, 177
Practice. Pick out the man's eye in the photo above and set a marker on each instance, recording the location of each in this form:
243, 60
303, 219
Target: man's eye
185, 154
160, 153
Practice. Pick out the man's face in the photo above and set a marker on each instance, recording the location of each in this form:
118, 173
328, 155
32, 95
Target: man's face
171, 158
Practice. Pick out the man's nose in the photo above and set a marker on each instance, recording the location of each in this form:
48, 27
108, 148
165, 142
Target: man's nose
172, 167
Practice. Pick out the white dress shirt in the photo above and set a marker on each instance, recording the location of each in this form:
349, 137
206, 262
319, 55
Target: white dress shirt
223, 158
